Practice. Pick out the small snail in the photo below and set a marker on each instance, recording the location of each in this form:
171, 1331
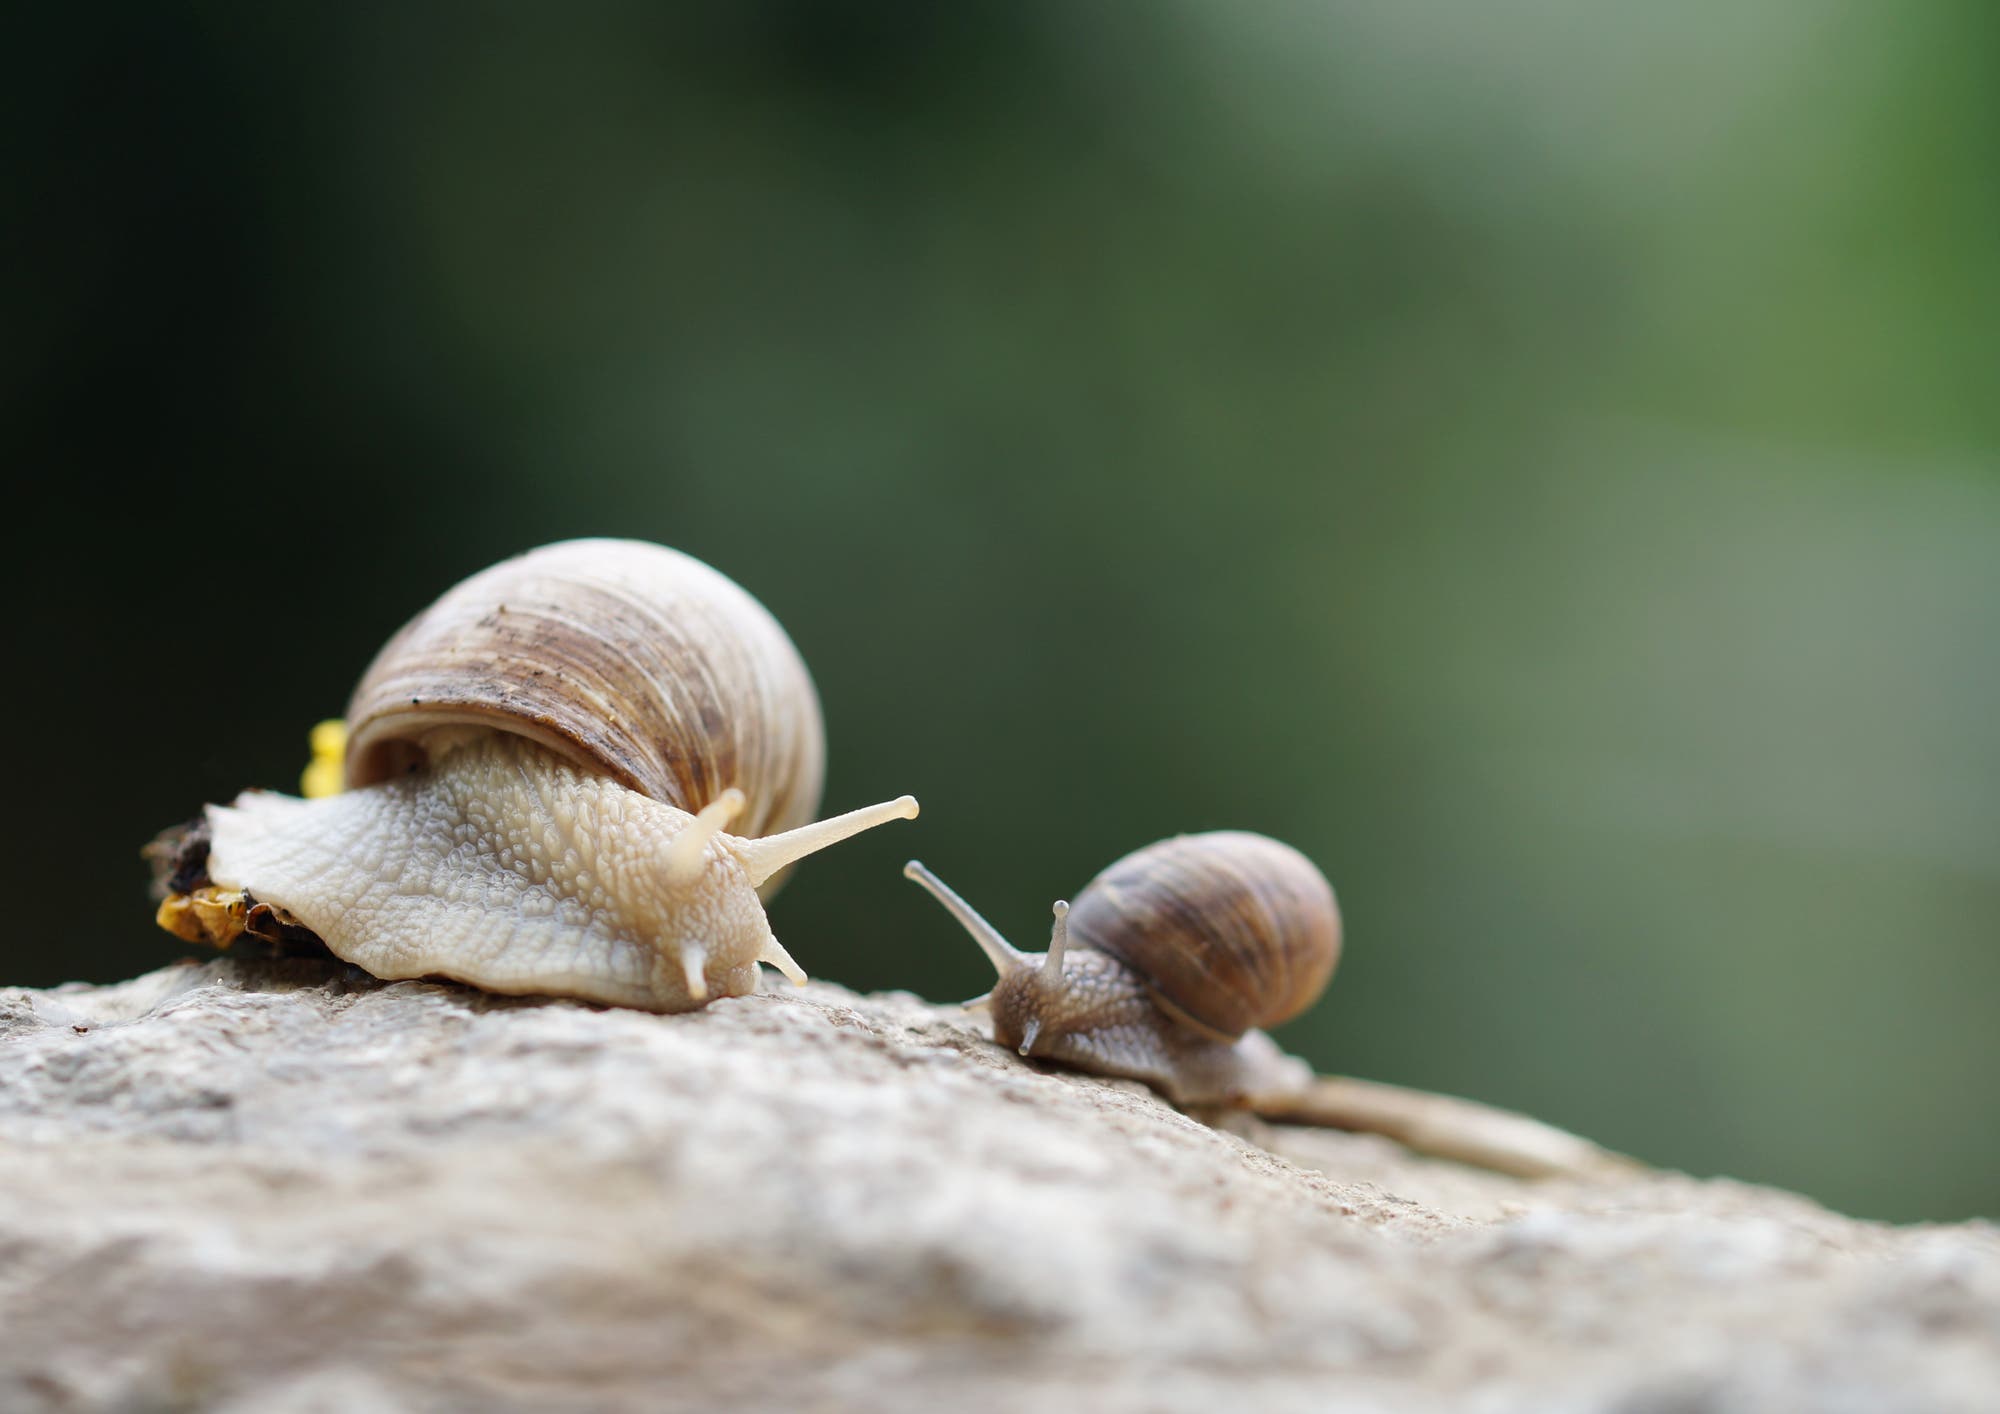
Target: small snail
538, 770
1173, 959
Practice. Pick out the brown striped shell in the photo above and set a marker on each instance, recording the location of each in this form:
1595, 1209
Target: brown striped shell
1231, 930
631, 659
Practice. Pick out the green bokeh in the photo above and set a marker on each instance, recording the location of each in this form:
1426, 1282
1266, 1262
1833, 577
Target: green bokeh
1540, 460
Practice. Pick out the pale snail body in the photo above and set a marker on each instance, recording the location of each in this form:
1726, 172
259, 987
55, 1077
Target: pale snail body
540, 768
1173, 959
1168, 965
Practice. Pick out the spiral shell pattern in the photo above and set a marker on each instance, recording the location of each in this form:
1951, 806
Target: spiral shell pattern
1230, 930
628, 658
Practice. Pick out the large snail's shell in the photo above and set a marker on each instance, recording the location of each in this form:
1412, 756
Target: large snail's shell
1231, 930
629, 658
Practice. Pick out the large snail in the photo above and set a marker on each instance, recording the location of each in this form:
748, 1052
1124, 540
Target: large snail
539, 770
1172, 960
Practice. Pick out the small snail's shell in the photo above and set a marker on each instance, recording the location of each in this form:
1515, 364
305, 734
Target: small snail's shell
1230, 930
633, 660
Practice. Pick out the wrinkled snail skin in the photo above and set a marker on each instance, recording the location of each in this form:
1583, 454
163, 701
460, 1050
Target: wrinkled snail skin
1101, 1018
543, 772
507, 867
1190, 946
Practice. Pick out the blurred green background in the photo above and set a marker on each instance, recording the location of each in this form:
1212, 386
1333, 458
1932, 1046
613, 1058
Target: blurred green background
1542, 460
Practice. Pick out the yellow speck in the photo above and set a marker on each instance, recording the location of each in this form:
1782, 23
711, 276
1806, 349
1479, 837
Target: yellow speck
326, 773
208, 915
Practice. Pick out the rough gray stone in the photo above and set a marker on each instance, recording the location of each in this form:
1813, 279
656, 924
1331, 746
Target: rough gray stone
289, 1187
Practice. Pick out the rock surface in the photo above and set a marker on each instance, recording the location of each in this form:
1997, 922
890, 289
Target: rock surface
250, 1186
